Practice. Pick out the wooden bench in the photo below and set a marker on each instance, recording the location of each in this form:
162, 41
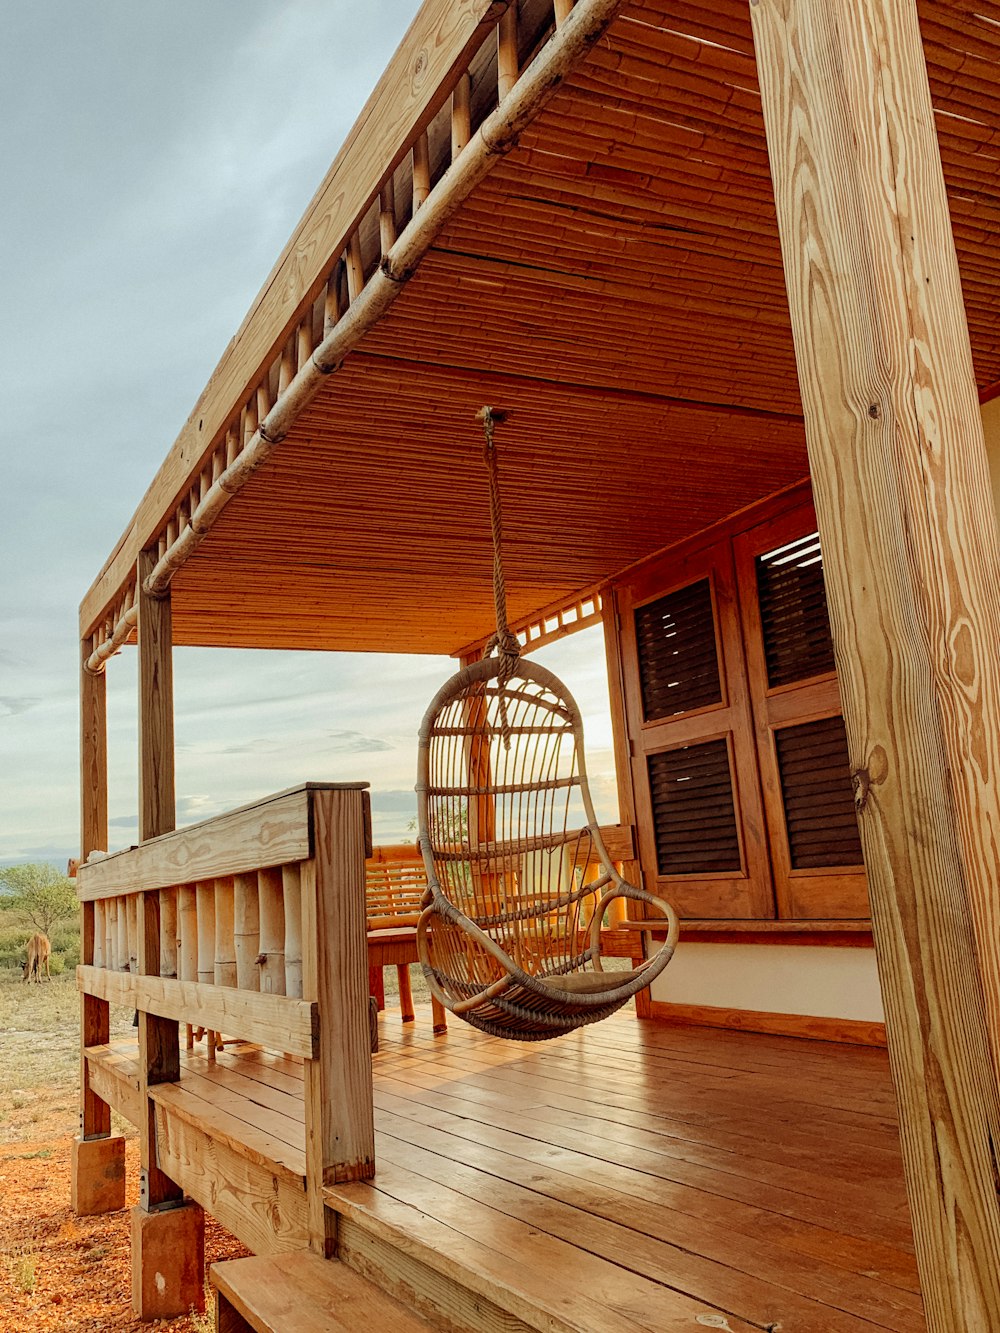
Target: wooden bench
302, 1293
395, 884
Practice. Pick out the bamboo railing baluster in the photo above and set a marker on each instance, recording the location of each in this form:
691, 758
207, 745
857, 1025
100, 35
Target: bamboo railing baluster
225, 943
246, 931
168, 932
291, 884
272, 932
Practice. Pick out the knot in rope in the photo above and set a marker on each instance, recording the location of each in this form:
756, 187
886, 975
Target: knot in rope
504, 641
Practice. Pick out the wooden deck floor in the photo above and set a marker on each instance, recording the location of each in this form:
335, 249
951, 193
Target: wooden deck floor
634, 1175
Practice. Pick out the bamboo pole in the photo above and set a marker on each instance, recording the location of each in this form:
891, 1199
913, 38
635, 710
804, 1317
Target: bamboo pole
421, 171
507, 58
187, 949
132, 926
111, 933
168, 932
246, 931
387, 217
355, 269
291, 884
121, 948
272, 932
205, 899
461, 115
498, 132
99, 933
225, 944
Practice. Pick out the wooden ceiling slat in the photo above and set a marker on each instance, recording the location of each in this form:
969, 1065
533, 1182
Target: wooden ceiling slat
623, 257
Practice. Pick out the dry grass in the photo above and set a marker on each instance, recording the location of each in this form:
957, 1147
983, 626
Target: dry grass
40, 1055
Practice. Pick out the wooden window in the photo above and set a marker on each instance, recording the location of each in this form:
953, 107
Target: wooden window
678, 657
814, 774
699, 818
801, 742
694, 818
740, 773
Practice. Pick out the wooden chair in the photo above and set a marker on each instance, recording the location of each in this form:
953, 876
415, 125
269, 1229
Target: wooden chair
395, 885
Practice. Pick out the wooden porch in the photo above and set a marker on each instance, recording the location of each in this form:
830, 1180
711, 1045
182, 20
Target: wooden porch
631, 1176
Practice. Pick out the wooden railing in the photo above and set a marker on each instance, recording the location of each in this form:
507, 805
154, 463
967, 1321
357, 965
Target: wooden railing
253, 925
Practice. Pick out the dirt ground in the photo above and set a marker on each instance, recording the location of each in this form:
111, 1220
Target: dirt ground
59, 1271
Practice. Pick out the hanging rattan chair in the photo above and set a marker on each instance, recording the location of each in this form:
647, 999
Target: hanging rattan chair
519, 877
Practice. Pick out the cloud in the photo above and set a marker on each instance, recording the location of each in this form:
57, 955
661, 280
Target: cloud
12, 705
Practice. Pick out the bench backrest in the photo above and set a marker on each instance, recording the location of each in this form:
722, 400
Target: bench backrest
395, 884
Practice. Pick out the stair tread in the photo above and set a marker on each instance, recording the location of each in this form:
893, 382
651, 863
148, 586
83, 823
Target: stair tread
302, 1293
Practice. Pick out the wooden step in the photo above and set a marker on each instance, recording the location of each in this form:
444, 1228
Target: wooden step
458, 1282
302, 1293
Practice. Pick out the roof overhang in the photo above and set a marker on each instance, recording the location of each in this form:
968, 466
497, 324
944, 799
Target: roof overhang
613, 280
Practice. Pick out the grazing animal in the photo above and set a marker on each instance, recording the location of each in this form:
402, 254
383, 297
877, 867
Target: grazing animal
39, 953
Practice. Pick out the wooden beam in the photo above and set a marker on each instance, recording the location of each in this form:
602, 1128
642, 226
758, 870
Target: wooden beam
275, 1021
273, 831
157, 813
913, 584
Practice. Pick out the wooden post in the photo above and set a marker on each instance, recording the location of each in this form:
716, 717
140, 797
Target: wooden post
95, 1114
156, 709
161, 1223
339, 1112
913, 584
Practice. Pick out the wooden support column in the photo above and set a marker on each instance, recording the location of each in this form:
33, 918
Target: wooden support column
913, 584
157, 813
167, 1233
339, 1109
98, 1160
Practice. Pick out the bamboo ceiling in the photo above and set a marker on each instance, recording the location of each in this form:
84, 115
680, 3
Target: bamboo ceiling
615, 284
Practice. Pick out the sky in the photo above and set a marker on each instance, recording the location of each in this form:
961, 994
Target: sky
155, 159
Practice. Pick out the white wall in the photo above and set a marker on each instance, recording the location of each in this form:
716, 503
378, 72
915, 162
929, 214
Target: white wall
822, 982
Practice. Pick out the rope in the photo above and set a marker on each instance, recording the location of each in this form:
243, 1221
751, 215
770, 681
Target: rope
504, 640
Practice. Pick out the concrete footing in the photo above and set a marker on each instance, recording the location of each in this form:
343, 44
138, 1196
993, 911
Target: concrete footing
98, 1175
168, 1261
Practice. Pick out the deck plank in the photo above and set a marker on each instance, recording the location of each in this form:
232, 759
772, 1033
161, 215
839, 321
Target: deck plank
670, 1171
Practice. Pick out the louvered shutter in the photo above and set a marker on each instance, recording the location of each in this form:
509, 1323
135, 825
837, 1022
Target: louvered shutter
694, 817
699, 824
802, 745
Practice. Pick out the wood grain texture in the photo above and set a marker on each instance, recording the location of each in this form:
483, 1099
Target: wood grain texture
851, 1030
157, 805
303, 1292
93, 758
276, 1021
902, 495
340, 1135
263, 1207
268, 832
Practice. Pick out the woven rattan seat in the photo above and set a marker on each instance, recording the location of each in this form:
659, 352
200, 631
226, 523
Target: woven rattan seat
510, 937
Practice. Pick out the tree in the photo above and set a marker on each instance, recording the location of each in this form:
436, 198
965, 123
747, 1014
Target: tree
39, 894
